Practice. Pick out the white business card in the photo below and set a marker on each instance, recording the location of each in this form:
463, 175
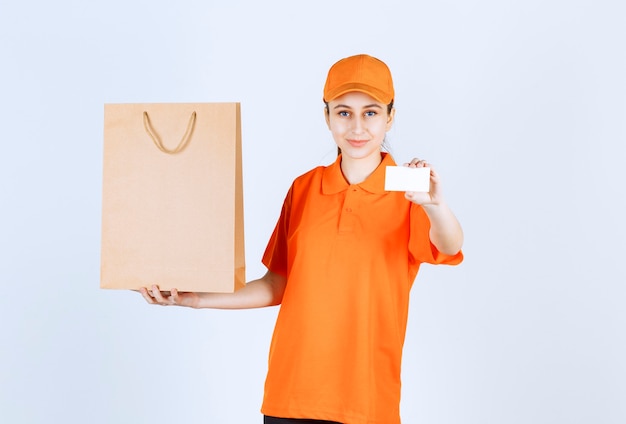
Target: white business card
403, 178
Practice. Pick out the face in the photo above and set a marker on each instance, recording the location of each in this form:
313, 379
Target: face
358, 123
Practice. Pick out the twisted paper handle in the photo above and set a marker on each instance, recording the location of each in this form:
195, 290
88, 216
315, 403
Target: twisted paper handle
157, 141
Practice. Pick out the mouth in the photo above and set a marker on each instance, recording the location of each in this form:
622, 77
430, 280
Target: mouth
357, 143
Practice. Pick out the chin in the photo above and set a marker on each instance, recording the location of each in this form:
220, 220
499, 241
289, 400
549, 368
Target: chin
359, 153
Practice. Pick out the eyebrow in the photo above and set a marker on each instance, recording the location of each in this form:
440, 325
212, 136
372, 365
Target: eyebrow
364, 107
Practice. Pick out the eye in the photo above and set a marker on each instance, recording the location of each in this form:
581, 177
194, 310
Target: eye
343, 113
371, 113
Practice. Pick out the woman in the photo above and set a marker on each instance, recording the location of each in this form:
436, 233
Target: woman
341, 262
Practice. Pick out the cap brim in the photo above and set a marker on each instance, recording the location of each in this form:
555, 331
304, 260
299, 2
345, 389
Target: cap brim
350, 87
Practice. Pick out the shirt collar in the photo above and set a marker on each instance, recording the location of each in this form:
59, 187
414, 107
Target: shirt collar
333, 181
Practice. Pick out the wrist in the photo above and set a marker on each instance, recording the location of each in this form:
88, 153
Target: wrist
434, 206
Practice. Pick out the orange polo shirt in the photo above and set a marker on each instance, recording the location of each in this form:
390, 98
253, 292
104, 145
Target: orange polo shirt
350, 254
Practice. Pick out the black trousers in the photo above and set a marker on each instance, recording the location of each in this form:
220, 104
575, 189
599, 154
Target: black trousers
274, 420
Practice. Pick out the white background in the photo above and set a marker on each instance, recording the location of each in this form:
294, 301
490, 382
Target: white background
519, 104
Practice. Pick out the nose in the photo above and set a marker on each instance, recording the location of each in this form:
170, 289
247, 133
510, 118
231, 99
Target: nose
358, 125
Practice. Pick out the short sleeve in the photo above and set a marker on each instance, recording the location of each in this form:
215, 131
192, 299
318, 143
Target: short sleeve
275, 257
421, 249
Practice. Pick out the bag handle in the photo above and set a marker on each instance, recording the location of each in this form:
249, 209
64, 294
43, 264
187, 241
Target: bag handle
157, 141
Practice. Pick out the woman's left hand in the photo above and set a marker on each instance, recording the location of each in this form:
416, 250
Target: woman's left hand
445, 231
432, 197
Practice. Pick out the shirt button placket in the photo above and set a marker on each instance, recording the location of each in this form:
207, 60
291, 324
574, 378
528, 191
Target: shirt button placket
346, 221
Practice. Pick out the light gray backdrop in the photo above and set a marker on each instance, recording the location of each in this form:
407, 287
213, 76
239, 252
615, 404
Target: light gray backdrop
520, 105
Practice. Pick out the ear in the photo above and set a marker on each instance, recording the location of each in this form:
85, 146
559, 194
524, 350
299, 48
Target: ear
327, 116
390, 118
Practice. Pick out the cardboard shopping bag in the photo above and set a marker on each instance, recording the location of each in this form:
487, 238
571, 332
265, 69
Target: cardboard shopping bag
172, 197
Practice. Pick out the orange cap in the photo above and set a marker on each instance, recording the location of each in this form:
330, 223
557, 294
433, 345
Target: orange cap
362, 73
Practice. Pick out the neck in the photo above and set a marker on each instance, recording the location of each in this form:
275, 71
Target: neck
356, 171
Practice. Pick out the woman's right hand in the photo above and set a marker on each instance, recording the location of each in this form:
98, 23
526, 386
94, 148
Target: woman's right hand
265, 291
155, 296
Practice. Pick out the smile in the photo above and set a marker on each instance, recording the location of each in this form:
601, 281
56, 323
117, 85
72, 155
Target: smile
357, 143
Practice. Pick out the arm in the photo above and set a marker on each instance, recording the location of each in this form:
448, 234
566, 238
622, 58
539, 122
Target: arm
265, 291
445, 230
